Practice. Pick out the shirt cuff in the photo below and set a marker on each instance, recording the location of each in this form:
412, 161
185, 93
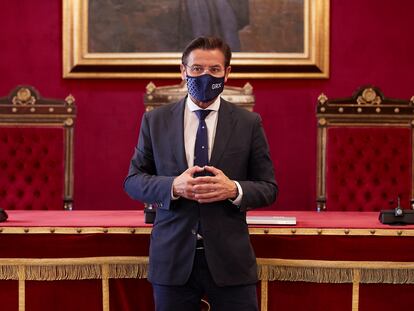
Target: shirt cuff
238, 199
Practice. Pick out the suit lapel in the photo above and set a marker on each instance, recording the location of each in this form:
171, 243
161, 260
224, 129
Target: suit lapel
225, 124
175, 134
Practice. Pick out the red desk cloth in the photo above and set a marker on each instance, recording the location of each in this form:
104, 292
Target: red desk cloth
108, 219
134, 294
332, 220
73, 219
280, 242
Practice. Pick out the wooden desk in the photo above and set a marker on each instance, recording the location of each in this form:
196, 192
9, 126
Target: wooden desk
97, 260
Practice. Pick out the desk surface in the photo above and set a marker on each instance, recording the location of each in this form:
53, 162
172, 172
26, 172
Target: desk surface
334, 246
347, 223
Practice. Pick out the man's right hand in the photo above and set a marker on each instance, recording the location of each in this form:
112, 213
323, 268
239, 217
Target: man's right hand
183, 184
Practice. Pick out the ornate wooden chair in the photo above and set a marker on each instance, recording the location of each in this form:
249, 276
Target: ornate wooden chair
163, 95
36, 151
365, 152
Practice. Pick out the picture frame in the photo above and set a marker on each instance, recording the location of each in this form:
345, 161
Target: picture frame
122, 39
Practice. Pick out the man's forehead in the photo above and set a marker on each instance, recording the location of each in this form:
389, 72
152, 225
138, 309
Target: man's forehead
206, 57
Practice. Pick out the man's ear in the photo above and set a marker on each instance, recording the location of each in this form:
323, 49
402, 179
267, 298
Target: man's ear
226, 75
183, 72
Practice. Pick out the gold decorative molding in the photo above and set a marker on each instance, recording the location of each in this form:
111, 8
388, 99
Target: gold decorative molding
369, 97
311, 61
70, 100
248, 89
69, 122
331, 231
23, 97
322, 99
322, 121
71, 230
150, 87
320, 231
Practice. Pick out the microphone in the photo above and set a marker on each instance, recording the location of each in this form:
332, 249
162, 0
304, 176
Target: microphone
3, 215
398, 211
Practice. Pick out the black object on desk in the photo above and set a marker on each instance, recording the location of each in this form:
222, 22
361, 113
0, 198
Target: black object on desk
149, 213
397, 216
3, 215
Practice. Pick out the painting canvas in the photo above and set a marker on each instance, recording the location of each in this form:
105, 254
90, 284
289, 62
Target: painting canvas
167, 25
130, 38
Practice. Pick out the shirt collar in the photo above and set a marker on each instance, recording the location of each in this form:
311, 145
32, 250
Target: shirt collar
193, 107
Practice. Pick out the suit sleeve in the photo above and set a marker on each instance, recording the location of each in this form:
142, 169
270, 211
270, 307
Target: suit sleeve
260, 188
142, 183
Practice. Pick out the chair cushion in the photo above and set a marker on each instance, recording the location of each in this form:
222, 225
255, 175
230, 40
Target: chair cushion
367, 167
31, 168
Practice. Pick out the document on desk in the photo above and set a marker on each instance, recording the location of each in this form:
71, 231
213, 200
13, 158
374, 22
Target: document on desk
271, 220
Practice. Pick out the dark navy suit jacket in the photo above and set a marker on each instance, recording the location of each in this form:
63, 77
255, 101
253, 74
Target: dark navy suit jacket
241, 151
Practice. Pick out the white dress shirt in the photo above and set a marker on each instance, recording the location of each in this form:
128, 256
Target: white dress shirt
190, 129
191, 122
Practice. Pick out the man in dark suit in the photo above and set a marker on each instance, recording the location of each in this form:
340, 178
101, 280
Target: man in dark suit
203, 170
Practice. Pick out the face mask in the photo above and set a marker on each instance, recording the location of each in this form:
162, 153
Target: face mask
205, 88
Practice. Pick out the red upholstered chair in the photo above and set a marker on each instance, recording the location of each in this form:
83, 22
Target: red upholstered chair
36, 151
365, 152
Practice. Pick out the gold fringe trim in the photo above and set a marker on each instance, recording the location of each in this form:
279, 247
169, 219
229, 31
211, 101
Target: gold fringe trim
9, 272
73, 268
394, 276
314, 275
56, 273
128, 271
269, 269
324, 271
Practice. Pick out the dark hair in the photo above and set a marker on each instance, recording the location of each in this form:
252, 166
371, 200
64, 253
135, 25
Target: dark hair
207, 43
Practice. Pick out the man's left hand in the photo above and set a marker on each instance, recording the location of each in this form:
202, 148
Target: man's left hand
214, 188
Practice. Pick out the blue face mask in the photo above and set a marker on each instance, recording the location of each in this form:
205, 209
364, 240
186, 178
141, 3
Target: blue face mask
205, 88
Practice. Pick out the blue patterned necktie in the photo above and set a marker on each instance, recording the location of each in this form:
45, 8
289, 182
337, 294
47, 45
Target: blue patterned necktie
201, 143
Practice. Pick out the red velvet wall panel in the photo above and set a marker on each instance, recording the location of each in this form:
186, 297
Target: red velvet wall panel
371, 43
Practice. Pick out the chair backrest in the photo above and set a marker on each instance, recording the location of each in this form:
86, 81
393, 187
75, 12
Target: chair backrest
365, 152
163, 95
36, 151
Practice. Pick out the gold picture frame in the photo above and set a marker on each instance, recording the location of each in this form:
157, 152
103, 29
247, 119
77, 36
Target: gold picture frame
311, 60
